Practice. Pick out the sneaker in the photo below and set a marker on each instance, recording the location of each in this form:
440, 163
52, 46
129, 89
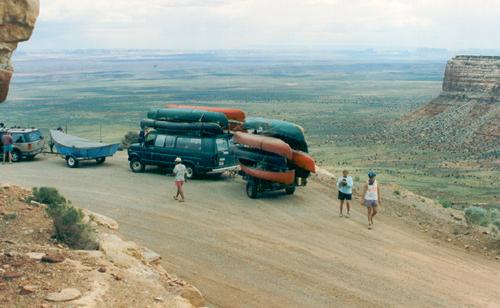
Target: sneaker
341, 215
370, 226
175, 198
347, 215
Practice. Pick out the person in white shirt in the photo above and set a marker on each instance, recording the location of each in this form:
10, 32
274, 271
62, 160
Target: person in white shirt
371, 197
180, 178
344, 184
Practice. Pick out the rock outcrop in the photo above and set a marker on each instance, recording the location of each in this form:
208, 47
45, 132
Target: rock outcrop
36, 271
17, 20
465, 117
473, 77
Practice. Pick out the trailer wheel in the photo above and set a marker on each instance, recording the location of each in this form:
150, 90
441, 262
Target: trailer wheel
72, 162
290, 190
100, 160
251, 189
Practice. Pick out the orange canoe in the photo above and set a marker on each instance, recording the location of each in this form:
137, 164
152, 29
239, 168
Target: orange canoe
304, 161
231, 113
268, 144
286, 177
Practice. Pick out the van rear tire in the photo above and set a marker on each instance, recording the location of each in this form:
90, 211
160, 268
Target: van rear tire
190, 171
251, 189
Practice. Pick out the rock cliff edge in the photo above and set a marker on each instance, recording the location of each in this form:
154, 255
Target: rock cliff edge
17, 20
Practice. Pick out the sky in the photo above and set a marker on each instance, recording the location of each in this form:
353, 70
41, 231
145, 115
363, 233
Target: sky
249, 24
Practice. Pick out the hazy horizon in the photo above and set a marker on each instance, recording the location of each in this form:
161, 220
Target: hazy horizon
257, 24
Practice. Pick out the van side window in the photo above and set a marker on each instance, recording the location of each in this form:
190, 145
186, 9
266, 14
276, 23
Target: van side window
184, 143
222, 145
169, 141
160, 140
150, 138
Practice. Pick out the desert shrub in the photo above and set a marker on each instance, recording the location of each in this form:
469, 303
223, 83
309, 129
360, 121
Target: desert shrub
496, 225
129, 138
475, 215
445, 203
68, 220
397, 193
356, 178
10, 216
47, 195
494, 215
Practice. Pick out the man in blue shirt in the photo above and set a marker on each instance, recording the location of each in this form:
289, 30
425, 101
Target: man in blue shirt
344, 184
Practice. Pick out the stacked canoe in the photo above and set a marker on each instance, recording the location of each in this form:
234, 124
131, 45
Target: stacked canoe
266, 149
183, 119
273, 150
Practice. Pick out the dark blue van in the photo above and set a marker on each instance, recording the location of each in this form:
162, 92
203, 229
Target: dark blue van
200, 154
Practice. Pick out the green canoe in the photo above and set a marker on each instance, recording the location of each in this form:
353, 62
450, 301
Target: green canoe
188, 116
291, 133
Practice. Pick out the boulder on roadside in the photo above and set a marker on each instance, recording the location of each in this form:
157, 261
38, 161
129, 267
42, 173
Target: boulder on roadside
193, 295
27, 289
53, 258
64, 295
150, 256
35, 255
100, 220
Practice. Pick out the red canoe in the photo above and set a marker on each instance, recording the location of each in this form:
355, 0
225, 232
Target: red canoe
286, 177
231, 113
268, 144
304, 161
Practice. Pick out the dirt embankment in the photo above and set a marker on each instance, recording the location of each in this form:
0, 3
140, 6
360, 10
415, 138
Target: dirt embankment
36, 271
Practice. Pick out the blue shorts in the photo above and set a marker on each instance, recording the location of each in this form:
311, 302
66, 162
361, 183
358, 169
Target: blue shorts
8, 148
371, 203
343, 196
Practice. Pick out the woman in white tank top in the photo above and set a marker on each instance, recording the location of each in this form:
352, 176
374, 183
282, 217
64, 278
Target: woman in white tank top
371, 197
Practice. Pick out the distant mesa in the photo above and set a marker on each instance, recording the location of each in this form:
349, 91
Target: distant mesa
466, 115
473, 77
17, 20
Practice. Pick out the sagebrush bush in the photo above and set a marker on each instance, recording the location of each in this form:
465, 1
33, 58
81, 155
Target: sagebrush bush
496, 223
68, 220
475, 215
494, 214
445, 203
48, 195
129, 138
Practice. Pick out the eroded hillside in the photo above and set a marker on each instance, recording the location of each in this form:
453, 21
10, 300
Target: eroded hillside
465, 117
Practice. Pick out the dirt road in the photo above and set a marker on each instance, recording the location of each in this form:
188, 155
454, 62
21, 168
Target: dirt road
278, 251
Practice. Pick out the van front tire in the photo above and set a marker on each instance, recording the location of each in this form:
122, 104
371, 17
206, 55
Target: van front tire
136, 166
16, 156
